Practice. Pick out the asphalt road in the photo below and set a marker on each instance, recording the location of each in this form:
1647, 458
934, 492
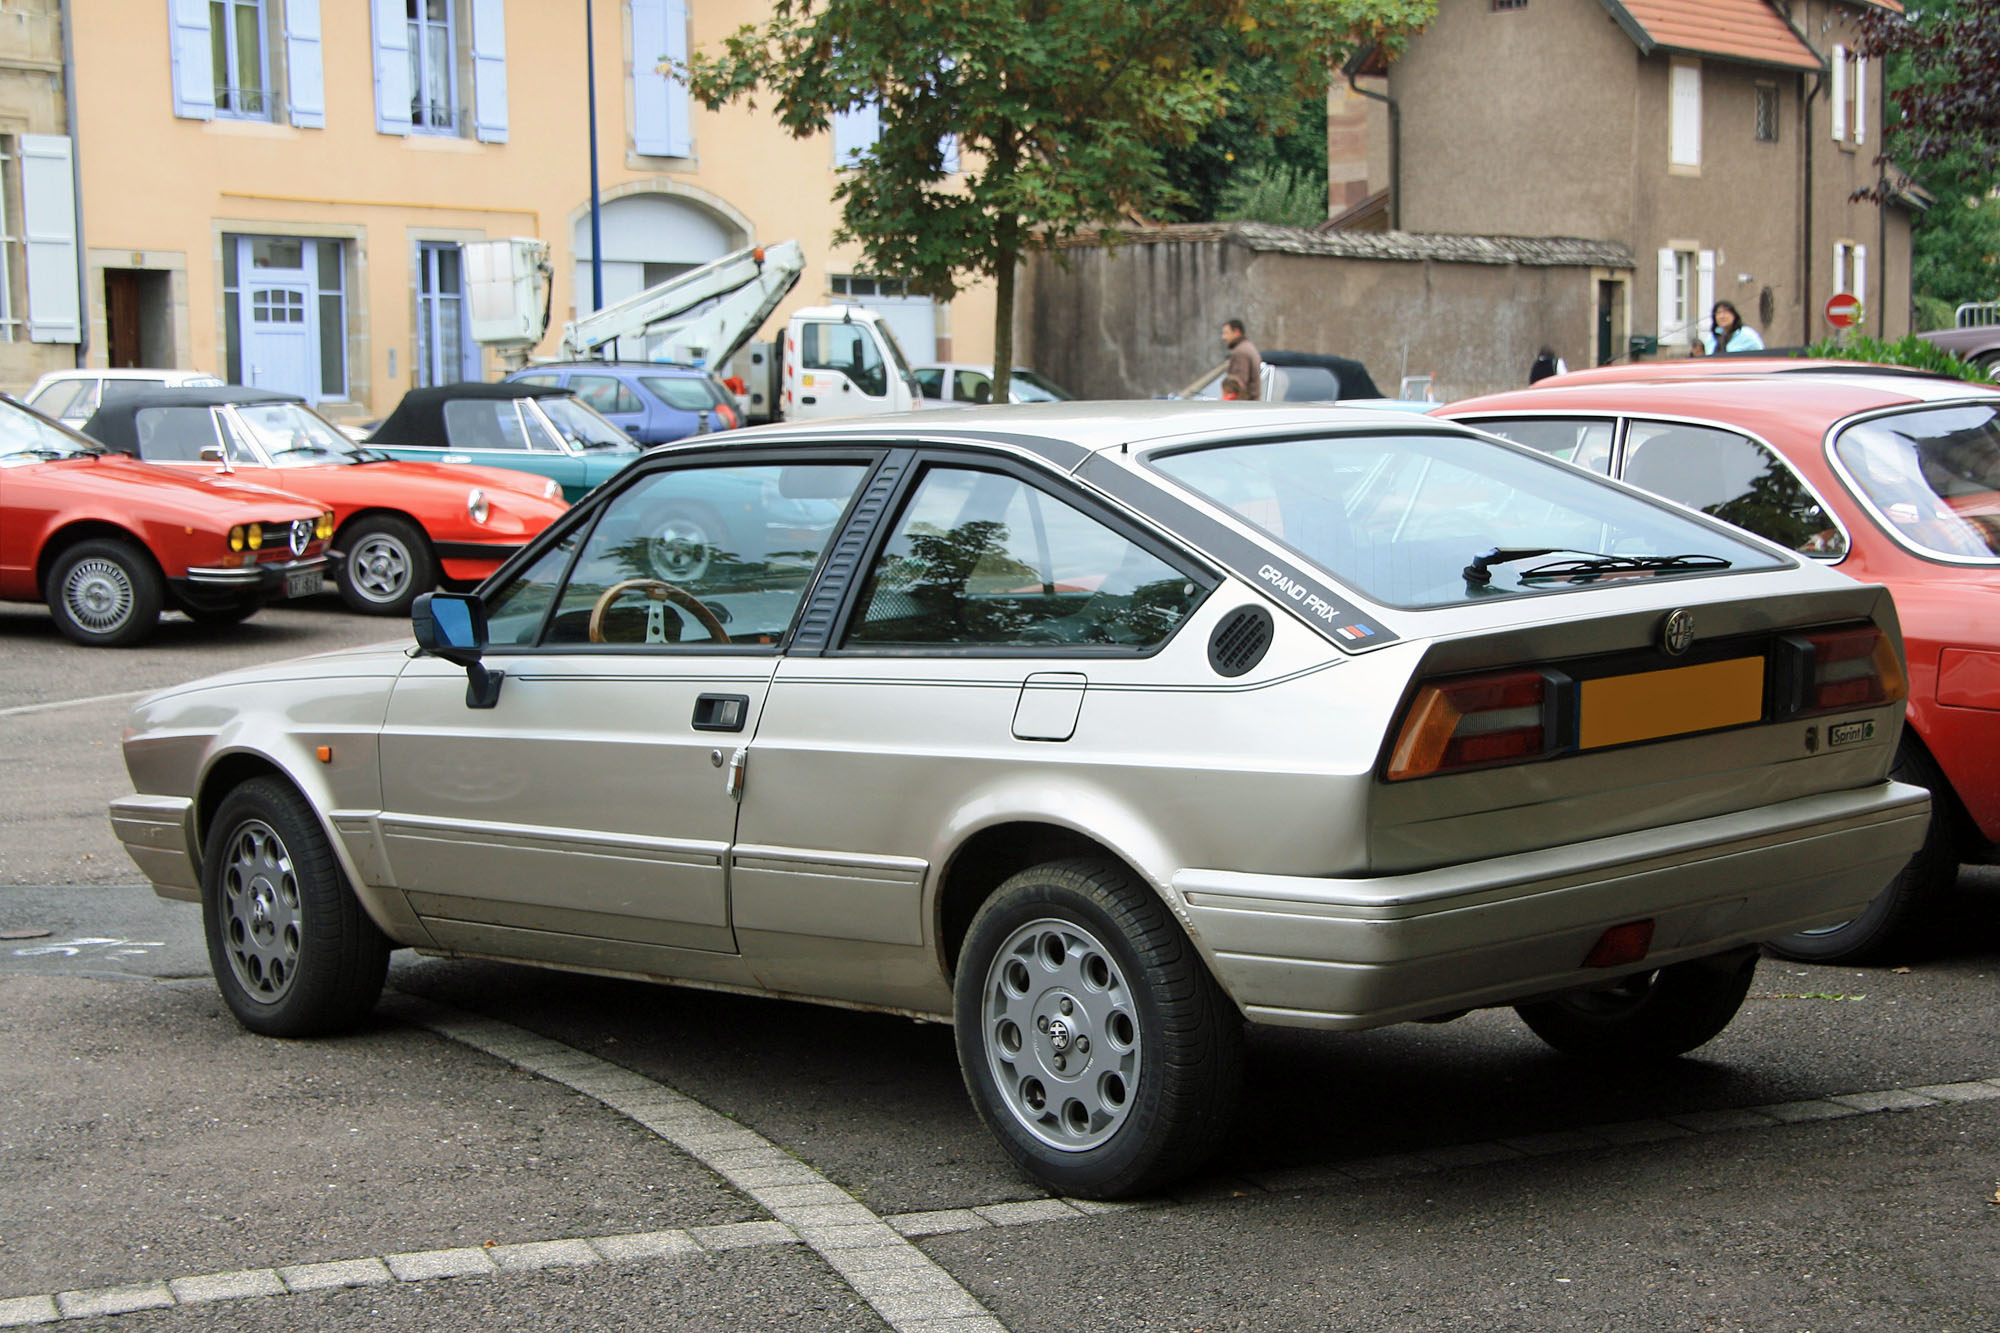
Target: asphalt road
511, 1148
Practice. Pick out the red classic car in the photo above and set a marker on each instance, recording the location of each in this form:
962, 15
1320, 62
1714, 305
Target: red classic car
1894, 479
109, 542
401, 527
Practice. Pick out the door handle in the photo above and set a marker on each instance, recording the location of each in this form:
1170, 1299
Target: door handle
721, 712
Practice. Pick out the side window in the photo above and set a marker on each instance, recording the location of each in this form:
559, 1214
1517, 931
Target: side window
1733, 478
849, 349
1584, 441
982, 559
969, 386
122, 388
55, 400
688, 395
704, 555
483, 423
514, 615
548, 380
605, 393
930, 382
175, 434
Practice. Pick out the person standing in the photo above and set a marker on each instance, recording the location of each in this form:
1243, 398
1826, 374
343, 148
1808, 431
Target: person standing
1729, 333
1245, 365
1547, 363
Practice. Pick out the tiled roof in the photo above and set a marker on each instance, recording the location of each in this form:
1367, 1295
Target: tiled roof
1532, 251
1746, 30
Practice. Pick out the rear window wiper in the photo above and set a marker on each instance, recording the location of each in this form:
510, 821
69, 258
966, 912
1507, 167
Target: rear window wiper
1480, 572
1601, 566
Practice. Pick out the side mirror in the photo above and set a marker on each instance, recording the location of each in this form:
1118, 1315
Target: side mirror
452, 625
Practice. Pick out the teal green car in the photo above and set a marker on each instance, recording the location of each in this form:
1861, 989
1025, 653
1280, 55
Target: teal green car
528, 427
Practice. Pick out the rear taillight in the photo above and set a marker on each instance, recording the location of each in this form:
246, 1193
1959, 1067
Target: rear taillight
1833, 670
1476, 721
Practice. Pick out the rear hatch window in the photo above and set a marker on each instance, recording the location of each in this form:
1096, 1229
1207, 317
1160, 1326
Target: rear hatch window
1420, 520
1931, 478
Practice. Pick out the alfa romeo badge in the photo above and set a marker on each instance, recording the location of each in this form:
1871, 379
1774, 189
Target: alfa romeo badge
1677, 632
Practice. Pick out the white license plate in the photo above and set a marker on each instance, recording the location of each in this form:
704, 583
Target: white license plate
302, 583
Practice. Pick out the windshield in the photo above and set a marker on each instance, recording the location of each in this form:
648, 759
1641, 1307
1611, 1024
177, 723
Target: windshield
896, 355
294, 436
582, 427
1931, 477
1422, 520
26, 438
1026, 386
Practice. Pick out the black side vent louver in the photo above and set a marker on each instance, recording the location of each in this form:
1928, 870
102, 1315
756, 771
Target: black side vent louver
1240, 640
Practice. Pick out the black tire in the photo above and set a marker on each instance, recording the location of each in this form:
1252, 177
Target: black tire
105, 593
292, 951
221, 613
1886, 925
1648, 1015
387, 563
1125, 1058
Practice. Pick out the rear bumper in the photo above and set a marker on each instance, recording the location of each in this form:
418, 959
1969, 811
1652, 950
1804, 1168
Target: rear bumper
158, 832
1301, 951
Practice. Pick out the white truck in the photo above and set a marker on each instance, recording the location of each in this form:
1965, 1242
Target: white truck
831, 361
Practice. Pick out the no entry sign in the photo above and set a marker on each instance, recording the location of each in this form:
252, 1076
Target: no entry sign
1843, 311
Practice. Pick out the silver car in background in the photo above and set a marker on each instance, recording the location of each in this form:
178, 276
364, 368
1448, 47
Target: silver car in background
1096, 729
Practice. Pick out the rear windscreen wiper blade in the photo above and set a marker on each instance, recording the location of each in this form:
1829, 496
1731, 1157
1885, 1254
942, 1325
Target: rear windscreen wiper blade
1480, 572
1596, 567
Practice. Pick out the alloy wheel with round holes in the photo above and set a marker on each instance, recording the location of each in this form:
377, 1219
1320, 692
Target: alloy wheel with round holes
1648, 1015
292, 951
105, 593
386, 564
1095, 1044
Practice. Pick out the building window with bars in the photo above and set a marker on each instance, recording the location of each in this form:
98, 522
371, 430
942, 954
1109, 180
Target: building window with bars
236, 50
1500, 6
433, 67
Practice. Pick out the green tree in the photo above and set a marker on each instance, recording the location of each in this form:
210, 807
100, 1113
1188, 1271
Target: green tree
1263, 158
1062, 111
1943, 77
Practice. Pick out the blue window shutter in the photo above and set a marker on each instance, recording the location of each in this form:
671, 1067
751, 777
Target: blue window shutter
489, 70
305, 76
392, 67
48, 226
194, 61
660, 110
680, 121
855, 132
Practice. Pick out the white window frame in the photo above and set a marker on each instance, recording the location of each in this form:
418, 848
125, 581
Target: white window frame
226, 39
421, 34
1850, 96
1850, 273
1684, 97
1686, 294
10, 240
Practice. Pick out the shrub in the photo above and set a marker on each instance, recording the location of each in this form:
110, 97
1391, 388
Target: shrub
1906, 351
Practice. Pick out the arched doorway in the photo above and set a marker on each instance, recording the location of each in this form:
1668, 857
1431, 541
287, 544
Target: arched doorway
648, 238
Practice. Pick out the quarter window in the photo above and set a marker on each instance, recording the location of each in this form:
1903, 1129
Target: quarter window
1733, 478
1586, 443
982, 559
483, 423
704, 556
605, 393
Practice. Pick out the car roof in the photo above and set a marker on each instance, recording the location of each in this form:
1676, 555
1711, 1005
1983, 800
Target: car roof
115, 425
125, 373
1807, 400
419, 418
1068, 432
1732, 364
668, 367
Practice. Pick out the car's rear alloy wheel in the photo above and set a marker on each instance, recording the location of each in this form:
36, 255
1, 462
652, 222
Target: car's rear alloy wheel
388, 564
105, 593
1647, 1015
292, 951
1888, 923
1095, 1044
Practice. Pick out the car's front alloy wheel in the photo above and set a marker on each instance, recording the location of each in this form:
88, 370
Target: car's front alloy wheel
105, 593
1095, 1044
292, 951
388, 563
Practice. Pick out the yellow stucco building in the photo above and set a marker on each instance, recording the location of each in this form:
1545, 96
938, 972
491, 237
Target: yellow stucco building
277, 190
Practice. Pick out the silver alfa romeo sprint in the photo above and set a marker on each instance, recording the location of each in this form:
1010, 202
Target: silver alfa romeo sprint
1097, 729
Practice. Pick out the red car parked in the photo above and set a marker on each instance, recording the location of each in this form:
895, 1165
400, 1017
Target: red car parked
1895, 479
109, 542
400, 527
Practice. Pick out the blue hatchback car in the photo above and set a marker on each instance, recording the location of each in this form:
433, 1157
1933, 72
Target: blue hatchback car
654, 402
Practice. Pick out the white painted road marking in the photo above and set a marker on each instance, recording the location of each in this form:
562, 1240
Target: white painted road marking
55, 704
96, 945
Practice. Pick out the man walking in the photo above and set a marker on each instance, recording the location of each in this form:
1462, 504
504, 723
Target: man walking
1245, 365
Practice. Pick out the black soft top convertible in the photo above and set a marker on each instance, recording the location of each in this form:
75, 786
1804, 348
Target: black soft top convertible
419, 418
1350, 375
116, 424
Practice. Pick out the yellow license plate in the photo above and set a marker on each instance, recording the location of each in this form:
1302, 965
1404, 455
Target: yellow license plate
1650, 704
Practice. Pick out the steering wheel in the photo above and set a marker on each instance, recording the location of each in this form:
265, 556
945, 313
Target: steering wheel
662, 592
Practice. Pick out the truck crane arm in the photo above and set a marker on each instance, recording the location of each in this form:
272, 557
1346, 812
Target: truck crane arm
703, 315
